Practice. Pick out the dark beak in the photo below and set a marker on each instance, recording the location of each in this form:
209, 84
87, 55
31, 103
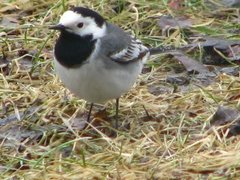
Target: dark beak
59, 27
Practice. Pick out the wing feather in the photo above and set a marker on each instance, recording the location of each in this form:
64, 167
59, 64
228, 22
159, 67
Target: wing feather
121, 47
134, 51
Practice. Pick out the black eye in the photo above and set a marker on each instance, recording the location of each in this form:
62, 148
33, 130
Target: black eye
80, 25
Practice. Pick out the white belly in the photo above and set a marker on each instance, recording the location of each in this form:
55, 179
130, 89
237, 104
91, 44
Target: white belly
95, 83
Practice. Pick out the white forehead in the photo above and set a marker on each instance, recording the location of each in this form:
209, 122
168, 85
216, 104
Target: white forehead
69, 17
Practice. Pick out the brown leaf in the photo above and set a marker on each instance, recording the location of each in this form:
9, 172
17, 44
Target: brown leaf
234, 52
15, 134
26, 62
101, 114
218, 43
30, 112
216, 48
233, 71
200, 171
8, 8
190, 64
222, 3
166, 22
79, 122
234, 130
225, 115
158, 89
178, 80
9, 22
176, 4
4, 65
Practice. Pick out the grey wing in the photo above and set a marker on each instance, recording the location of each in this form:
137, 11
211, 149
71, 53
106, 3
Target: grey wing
123, 48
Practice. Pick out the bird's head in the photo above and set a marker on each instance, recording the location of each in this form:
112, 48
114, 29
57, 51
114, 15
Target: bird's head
82, 21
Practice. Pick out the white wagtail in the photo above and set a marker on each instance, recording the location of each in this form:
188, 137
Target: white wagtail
96, 60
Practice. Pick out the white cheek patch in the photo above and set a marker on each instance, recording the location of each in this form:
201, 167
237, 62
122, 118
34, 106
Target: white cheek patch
92, 28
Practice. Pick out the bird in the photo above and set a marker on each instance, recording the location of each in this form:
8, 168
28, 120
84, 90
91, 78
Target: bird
95, 59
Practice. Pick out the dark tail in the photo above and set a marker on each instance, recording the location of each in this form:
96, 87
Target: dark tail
161, 50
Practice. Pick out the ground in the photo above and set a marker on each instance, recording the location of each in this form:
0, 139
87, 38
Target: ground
165, 120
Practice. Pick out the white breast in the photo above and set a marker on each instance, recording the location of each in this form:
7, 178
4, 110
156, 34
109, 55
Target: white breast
97, 83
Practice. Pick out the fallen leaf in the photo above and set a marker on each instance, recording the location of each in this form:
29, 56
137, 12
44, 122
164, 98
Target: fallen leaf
225, 115
218, 43
158, 89
234, 52
190, 64
78, 123
9, 22
176, 4
30, 112
233, 71
218, 51
166, 22
3, 168
215, 5
15, 134
9, 8
234, 130
205, 78
200, 171
230, 3
102, 114
66, 151
178, 80
26, 61
4, 65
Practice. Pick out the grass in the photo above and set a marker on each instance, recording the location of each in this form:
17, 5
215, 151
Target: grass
175, 141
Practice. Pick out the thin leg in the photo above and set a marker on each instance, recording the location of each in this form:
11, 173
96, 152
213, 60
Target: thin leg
116, 116
89, 112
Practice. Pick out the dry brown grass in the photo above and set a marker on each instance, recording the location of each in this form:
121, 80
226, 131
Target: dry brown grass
176, 142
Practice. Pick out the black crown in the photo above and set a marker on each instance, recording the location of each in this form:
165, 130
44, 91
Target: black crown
85, 12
